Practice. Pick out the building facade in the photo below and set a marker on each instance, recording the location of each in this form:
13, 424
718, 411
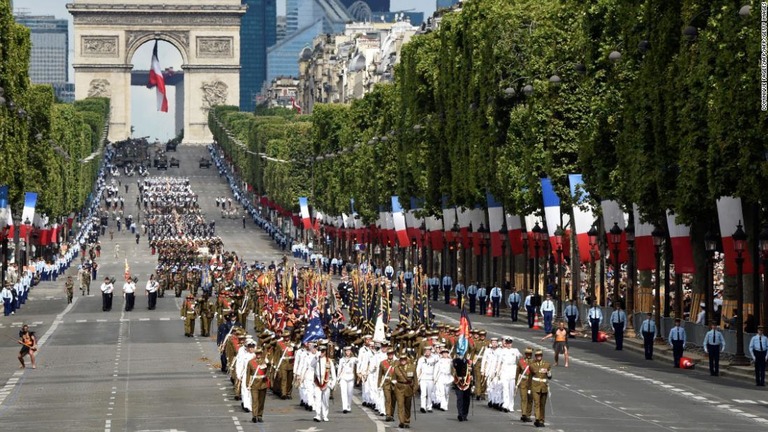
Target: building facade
443, 4
282, 92
258, 32
49, 61
342, 67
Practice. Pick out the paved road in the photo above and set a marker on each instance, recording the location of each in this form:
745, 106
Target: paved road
134, 371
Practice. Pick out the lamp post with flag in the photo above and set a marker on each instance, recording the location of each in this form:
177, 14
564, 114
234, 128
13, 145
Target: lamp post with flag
559, 235
739, 245
592, 234
536, 246
615, 233
658, 240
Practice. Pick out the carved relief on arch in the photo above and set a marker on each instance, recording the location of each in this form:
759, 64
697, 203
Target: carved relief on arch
99, 46
214, 94
99, 88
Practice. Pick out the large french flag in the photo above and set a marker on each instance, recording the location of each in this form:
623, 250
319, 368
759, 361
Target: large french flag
729, 213
435, 228
477, 218
583, 219
304, 208
465, 219
495, 222
645, 251
612, 213
552, 214
449, 219
28, 213
399, 220
515, 233
530, 222
682, 250
156, 80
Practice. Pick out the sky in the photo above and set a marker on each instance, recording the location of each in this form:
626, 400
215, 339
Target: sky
148, 122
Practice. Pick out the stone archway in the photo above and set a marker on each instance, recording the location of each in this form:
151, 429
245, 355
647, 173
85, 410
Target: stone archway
206, 32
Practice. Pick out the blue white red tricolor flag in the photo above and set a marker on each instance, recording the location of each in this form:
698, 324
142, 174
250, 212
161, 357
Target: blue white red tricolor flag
156, 80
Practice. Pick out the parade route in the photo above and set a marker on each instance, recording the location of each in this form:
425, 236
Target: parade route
135, 371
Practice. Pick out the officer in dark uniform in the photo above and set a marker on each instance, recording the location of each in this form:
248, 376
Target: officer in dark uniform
461, 369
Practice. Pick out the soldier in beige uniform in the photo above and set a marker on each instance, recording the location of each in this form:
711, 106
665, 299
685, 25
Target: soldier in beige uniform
284, 356
524, 384
188, 315
386, 384
541, 374
405, 387
257, 380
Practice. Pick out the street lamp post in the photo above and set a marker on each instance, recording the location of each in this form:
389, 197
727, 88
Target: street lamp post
615, 233
559, 234
27, 247
592, 234
481, 265
764, 251
658, 240
503, 233
710, 245
536, 245
630, 300
457, 250
739, 245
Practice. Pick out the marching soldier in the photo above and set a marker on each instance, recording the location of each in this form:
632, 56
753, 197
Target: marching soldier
387, 384
346, 375
425, 372
461, 370
541, 374
257, 380
325, 381
479, 352
284, 369
69, 287
188, 315
405, 386
206, 312
524, 385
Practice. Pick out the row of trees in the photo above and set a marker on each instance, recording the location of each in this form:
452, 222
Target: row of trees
654, 102
44, 144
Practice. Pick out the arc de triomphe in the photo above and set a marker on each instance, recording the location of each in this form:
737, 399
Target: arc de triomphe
206, 32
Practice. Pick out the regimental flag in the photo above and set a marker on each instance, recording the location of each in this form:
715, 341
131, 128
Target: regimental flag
157, 80
682, 250
643, 243
464, 327
304, 208
583, 217
495, 222
399, 220
730, 214
314, 329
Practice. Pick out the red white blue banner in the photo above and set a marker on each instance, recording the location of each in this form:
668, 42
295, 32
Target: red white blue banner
682, 250
399, 219
304, 208
583, 217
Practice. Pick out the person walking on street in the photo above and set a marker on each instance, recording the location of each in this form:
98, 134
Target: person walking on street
472, 295
648, 331
7, 298
542, 373
28, 342
405, 387
758, 347
619, 323
513, 302
548, 312
677, 340
325, 381
69, 287
714, 344
524, 385
461, 370
560, 334
106, 295
530, 309
346, 373
129, 291
151, 292
425, 373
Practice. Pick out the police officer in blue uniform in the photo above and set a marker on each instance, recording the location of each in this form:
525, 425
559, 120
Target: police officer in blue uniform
648, 331
713, 344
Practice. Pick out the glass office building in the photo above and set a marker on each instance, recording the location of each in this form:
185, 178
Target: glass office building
258, 32
49, 62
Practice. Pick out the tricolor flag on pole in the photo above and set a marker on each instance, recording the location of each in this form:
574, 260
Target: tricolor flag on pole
730, 214
495, 222
682, 250
583, 219
514, 232
304, 208
399, 219
157, 80
553, 216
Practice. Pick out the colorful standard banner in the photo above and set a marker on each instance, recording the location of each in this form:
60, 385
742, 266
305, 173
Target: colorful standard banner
304, 208
583, 217
495, 223
682, 250
730, 214
612, 213
644, 249
399, 219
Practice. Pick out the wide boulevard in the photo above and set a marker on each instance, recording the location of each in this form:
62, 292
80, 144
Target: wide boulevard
135, 371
